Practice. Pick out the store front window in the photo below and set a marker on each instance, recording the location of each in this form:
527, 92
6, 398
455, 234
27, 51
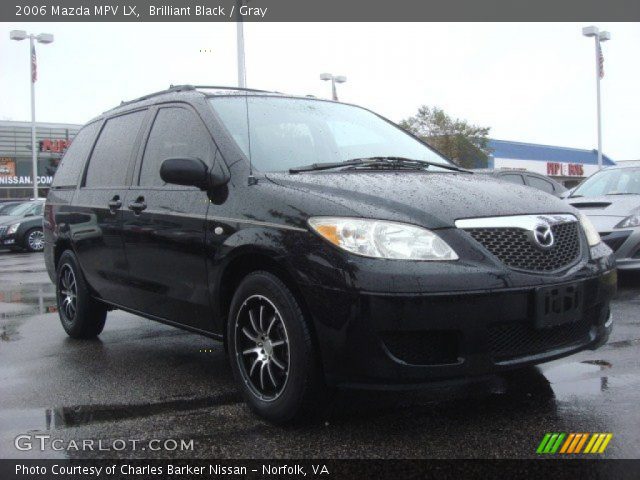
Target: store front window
16, 170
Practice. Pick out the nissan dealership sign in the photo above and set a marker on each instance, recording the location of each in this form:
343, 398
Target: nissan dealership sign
24, 180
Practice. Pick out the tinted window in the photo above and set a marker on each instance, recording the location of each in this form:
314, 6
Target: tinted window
23, 209
74, 160
6, 208
540, 184
176, 133
513, 178
112, 153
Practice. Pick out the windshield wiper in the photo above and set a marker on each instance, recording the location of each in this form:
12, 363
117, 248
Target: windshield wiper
622, 193
378, 162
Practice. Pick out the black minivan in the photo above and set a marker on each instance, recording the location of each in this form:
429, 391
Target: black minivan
323, 244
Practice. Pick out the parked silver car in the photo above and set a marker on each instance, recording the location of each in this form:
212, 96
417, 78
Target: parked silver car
611, 200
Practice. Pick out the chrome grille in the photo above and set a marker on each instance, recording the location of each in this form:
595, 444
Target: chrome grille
3, 230
516, 246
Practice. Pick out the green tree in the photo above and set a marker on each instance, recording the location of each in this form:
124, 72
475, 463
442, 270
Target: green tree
463, 143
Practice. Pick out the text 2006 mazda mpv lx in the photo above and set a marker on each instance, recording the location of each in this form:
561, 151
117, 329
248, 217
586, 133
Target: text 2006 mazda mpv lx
327, 247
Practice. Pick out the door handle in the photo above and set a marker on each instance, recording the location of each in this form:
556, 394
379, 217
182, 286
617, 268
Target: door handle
138, 206
114, 204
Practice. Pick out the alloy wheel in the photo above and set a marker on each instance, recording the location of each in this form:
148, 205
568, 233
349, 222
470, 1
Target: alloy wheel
262, 347
36, 240
68, 292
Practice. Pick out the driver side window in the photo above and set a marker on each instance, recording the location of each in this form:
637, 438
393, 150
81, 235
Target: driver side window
176, 133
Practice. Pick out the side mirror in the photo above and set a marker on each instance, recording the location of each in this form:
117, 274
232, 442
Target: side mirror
567, 193
192, 172
185, 171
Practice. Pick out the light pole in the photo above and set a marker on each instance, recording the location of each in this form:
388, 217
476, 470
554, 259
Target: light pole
334, 79
42, 38
242, 74
599, 37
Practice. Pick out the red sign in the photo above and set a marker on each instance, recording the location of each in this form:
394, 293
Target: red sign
54, 146
571, 170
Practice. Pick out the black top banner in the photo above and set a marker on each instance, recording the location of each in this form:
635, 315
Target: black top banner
317, 11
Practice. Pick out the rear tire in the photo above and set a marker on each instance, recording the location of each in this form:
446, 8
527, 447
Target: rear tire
271, 351
80, 314
33, 240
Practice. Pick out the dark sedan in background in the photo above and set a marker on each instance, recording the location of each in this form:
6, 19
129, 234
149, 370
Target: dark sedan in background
21, 226
523, 177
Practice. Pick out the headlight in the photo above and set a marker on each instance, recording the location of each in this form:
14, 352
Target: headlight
593, 237
630, 221
13, 228
382, 239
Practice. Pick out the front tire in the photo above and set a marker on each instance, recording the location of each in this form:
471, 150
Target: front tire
34, 240
271, 350
80, 314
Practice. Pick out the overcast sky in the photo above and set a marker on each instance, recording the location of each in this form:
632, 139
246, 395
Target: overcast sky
528, 82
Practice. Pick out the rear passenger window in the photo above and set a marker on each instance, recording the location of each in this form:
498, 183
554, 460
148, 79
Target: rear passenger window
540, 184
513, 178
176, 133
111, 156
74, 160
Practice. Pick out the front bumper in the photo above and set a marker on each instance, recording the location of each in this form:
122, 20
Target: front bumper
374, 340
8, 240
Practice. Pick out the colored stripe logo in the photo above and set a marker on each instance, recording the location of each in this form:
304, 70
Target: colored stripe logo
573, 443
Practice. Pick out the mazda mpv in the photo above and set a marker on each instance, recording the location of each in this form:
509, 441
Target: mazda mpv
326, 247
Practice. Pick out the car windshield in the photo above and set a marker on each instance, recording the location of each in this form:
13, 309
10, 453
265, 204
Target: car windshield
4, 208
286, 132
617, 181
19, 209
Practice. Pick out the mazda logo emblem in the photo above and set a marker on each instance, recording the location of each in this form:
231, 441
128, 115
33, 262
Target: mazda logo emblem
543, 235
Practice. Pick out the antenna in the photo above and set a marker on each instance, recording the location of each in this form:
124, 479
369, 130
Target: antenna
251, 180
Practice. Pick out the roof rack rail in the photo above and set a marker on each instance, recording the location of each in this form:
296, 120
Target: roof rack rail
184, 88
219, 87
172, 88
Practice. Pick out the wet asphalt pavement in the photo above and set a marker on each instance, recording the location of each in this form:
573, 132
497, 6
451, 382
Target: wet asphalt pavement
142, 380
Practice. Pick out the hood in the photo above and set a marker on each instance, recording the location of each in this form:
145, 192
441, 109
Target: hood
435, 200
606, 205
7, 219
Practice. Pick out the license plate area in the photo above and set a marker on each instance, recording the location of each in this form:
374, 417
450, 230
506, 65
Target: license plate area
558, 305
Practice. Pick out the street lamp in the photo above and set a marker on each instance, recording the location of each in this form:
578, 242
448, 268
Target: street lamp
599, 37
242, 74
42, 38
334, 80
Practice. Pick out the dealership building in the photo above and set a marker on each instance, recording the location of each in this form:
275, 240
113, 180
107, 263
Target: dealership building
568, 166
52, 140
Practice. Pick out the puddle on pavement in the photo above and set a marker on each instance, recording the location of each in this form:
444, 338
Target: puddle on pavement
67, 417
589, 377
600, 363
623, 343
21, 301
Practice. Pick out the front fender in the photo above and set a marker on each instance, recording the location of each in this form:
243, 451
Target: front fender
246, 249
